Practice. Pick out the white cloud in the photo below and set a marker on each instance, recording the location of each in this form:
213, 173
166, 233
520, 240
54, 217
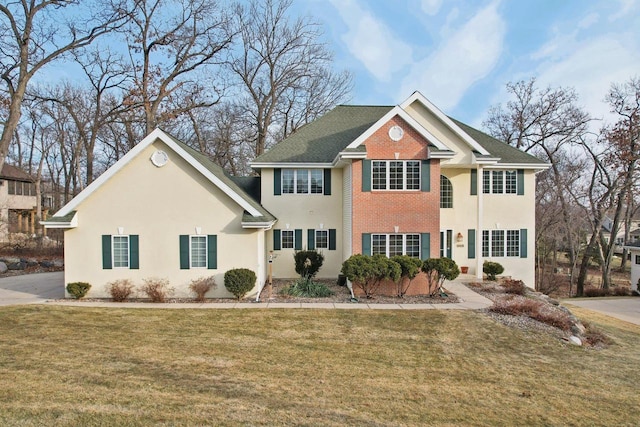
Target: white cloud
469, 54
371, 42
588, 20
431, 7
625, 8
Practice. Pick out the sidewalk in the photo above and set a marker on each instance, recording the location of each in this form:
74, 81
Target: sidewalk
469, 300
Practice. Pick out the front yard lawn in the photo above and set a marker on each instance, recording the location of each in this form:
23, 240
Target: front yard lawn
89, 366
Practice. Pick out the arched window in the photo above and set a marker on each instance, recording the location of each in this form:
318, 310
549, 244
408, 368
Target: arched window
446, 192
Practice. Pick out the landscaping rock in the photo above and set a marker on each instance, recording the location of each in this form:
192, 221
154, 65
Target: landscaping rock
578, 329
58, 263
3, 267
575, 340
31, 262
46, 264
17, 265
10, 260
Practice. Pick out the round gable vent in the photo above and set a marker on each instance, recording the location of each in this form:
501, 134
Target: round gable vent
159, 158
396, 133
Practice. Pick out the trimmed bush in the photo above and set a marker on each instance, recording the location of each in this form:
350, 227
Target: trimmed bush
367, 272
307, 288
201, 286
120, 290
492, 269
78, 289
239, 281
156, 289
438, 270
409, 269
620, 291
592, 291
515, 287
308, 262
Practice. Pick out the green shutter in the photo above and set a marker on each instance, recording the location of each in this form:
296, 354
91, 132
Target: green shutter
327, 182
311, 239
523, 243
366, 243
474, 182
520, 182
297, 242
107, 263
332, 239
276, 240
425, 246
134, 252
184, 252
366, 175
277, 182
425, 176
212, 251
471, 247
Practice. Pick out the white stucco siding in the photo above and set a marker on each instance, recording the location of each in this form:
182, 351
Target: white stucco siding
305, 211
158, 205
347, 207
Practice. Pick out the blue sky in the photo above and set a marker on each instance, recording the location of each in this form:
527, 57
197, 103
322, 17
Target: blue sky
461, 53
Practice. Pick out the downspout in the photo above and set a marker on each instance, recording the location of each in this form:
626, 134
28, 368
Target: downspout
261, 262
479, 260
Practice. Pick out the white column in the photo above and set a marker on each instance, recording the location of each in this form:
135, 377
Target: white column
479, 259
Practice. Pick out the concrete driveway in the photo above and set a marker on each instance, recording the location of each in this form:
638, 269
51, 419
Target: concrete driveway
31, 288
627, 309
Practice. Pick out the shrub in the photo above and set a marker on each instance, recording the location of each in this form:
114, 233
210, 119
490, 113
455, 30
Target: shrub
438, 270
307, 288
78, 289
595, 337
308, 262
201, 286
409, 269
592, 291
120, 290
620, 291
492, 269
367, 272
537, 310
239, 281
156, 289
515, 287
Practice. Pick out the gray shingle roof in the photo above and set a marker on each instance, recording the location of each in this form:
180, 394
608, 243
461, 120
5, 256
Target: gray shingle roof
321, 140
61, 219
244, 190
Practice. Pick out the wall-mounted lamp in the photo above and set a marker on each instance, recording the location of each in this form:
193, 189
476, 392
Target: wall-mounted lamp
459, 237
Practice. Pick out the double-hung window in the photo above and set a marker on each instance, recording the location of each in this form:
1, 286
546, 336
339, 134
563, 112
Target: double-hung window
500, 182
322, 239
287, 239
395, 244
446, 193
198, 249
302, 181
120, 251
395, 174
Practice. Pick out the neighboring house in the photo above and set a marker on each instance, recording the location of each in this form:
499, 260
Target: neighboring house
402, 179
634, 250
17, 202
619, 242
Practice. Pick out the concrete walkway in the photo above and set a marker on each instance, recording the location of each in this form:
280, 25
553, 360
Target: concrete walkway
47, 288
626, 308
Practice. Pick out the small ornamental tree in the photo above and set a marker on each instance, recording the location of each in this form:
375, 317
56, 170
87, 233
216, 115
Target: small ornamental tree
308, 263
492, 269
409, 269
438, 270
367, 272
239, 281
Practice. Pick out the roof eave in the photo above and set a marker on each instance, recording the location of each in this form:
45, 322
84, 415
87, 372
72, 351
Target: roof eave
267, 225
269, 165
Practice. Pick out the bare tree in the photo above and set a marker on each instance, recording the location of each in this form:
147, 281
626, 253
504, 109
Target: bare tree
284, 69
170, 41
34, 34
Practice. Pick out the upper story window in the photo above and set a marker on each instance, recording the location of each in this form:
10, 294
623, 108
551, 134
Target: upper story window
500, 182
395, 174
302, 181
446, 192
20, 188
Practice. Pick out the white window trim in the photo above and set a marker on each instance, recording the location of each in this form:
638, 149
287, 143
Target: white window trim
505, 245
404, 242
295, 182
316, 238
206, 251
113, 252
504, 181
388, 175
293, 239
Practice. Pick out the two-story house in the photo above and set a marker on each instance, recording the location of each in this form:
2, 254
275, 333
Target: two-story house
403, 179
17, 202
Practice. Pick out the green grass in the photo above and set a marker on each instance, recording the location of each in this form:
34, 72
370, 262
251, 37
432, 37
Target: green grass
86, 366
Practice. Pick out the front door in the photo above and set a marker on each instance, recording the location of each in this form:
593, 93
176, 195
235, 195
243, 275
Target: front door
446, 244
